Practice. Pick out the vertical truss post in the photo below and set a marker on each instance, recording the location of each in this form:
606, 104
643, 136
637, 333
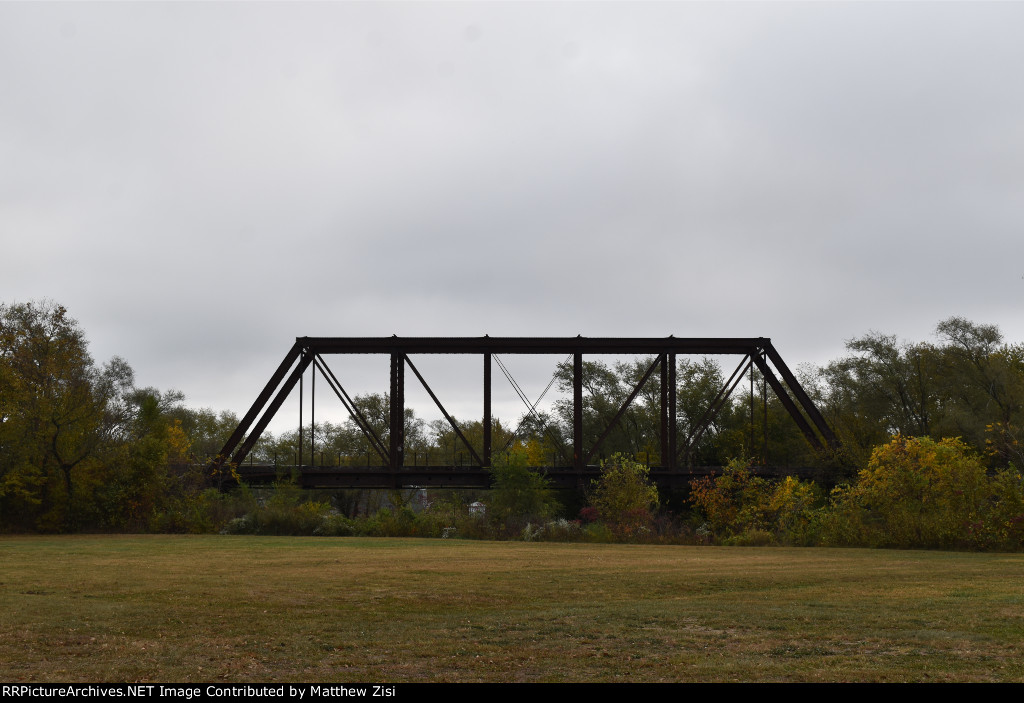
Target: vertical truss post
751, 454
487, 409
312, 417
664, 410
672, 430
397, 429
577, 413
764, 399
301, 379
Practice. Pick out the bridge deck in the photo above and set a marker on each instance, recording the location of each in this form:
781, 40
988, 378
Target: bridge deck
476, 477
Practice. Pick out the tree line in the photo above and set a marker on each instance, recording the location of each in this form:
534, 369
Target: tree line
83, 448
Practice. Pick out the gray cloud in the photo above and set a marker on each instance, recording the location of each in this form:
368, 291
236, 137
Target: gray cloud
201, 183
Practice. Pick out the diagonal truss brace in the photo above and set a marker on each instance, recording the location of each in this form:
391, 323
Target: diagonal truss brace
622, 410
805, 401
531, 410
271, 410
788, 403
697, 431
449, 418
353, 410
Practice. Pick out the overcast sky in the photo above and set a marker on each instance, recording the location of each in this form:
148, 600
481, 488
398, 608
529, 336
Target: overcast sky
201, 183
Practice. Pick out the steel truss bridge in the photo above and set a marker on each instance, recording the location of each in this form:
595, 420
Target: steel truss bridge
577, 462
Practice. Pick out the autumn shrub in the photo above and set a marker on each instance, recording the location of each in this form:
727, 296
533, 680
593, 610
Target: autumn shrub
449, 517
400, 522
532, 533
302, 519
915, 492
471, 527
844, 521
624, 497
733, 502
794, 506
600, 533
562, 530
738, 507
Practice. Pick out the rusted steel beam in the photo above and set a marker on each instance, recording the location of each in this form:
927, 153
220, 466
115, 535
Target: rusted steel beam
663, 415
271, 410
532, 345
698, 429
396, 434
487, 410
449, 418
577, 411
805, 401
673, 432
353, 410
312, 417
301, 379
257, 406
622, 410
788, 403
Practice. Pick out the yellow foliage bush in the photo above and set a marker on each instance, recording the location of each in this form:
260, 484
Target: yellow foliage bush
919, 492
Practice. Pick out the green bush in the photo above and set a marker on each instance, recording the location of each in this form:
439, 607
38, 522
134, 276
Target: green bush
518, 495
284, 513
599, 532
1003, 523
335, 525
624, 497
205, 512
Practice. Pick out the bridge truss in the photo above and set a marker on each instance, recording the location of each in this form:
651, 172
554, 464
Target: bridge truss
676, 451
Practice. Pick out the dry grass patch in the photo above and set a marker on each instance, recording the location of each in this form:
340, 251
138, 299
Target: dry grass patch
217, 608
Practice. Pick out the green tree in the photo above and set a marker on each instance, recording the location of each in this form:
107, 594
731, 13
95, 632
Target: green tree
698, 382
518, 495
604, 390
138, 478
982, 385
884, 388
54, 416
969, 385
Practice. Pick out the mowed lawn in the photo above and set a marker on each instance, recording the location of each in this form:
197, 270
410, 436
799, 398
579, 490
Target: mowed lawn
238, 609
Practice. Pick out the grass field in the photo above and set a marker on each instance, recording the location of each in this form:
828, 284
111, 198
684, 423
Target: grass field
235, 609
